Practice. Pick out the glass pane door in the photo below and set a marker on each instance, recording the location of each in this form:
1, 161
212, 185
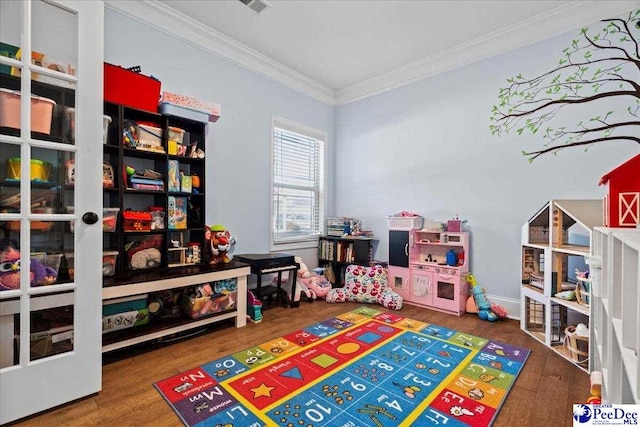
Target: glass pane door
42, 141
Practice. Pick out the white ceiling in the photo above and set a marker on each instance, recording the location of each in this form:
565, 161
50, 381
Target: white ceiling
341, 50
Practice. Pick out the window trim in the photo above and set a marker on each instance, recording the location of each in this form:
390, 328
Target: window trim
311, 241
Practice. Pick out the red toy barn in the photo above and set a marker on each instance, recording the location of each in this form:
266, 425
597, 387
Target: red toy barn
622, 204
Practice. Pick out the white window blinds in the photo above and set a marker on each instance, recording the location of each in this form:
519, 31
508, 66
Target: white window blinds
298, 180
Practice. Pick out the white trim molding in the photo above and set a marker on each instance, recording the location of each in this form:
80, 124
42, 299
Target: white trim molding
567, 17
511, 305
177, 24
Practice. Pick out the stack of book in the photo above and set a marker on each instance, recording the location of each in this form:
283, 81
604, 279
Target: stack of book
144, 183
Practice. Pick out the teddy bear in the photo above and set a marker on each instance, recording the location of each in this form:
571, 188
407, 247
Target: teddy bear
39, 274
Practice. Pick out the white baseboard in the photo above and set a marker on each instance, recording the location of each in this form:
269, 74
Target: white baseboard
511, 305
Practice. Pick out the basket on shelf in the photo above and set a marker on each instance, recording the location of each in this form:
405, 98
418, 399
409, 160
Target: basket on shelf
577, 346
583, 291
404, 222
536, 280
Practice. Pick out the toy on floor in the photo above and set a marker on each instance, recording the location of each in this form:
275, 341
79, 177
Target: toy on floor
254, 308
486, 310
285, 288
318, 284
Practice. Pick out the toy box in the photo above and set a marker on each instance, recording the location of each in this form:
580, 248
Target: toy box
41, 111
207, 299
125, 312
126, 87
189, 107
136, 221
177, 215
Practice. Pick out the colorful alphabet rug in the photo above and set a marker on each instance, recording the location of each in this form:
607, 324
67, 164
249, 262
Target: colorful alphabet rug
362, 368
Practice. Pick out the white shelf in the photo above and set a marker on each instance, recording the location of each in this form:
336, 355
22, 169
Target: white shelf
616, 260
573, 305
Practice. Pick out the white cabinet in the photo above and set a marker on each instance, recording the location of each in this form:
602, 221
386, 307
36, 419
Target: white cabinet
615, 332
555, 242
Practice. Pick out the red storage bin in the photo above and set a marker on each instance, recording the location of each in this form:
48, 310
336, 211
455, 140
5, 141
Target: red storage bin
126, 87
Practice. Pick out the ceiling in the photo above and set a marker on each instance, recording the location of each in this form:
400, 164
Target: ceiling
341, 50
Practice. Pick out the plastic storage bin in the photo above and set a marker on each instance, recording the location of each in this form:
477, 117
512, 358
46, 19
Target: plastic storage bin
48, 260
169, 109
157, 217
70, 264
126, 87
125, 312
109, 259
41, 111
39, 170
110, 219
149, 138
69, 126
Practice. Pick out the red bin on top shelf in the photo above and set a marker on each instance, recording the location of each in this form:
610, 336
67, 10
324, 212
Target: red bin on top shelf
131, 89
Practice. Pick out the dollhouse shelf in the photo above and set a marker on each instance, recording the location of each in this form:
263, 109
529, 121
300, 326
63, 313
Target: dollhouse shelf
555, 242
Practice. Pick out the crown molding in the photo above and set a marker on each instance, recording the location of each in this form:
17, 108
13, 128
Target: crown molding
174, 23
539, 27
553, 22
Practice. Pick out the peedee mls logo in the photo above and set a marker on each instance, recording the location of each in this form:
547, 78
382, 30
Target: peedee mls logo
605, 415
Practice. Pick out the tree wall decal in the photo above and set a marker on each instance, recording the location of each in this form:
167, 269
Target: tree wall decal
599, 66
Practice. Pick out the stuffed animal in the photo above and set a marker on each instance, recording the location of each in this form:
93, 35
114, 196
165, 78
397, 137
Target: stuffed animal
486, 310
39, 275
219, 242
315, 283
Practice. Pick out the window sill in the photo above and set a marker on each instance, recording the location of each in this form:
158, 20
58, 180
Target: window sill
294, 245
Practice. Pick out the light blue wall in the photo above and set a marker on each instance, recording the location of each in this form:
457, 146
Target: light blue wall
426, 148
238, 144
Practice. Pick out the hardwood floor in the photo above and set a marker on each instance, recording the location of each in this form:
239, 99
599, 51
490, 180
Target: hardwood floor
542, 396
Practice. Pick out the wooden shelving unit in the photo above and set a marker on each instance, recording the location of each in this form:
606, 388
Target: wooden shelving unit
339, 252
182, 262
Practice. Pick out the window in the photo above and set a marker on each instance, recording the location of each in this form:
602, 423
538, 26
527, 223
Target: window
297, 183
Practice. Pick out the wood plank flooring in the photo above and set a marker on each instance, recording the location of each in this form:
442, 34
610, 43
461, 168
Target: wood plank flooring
542, 396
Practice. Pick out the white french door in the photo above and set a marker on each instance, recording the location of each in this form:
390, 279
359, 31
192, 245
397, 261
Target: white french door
51, 55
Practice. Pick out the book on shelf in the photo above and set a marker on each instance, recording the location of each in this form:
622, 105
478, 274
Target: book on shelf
142, 180
151, 187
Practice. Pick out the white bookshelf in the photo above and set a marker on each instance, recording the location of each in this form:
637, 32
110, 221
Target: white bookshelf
614, 266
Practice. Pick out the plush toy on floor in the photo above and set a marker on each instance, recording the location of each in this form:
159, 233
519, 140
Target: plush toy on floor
301, 289
478, 303
318, 284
